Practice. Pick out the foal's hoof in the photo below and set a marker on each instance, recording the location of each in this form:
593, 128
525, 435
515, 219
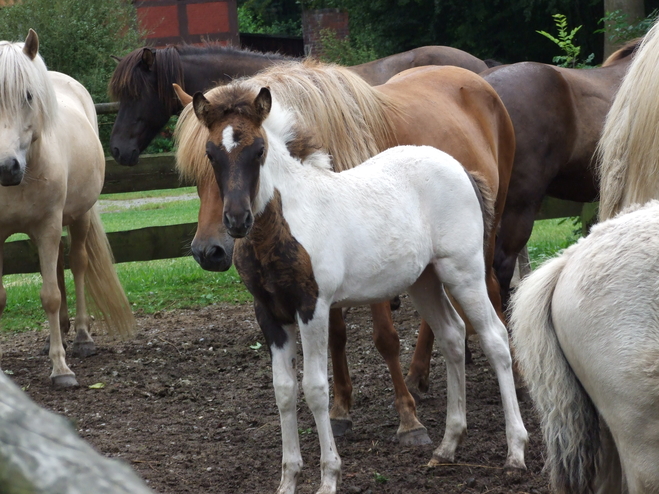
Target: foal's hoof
437, 461
65, 381
340, 426
513, 465
83, 349
416, 437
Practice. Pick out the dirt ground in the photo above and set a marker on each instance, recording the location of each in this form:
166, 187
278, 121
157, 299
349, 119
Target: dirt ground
189, 404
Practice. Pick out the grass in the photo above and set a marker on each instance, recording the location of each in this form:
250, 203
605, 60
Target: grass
169, 284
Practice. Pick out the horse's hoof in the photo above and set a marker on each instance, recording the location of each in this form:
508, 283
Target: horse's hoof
83, 349
514, 465
436, 461
416, 437
394, 303
340, 426
65, 381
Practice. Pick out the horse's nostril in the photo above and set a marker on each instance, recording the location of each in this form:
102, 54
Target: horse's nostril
15, 166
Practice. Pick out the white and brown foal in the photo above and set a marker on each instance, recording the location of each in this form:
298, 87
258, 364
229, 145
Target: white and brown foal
309, 239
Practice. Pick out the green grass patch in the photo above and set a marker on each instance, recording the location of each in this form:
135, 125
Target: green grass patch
549, 237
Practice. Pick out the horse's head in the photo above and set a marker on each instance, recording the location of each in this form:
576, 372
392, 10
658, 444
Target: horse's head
27, 105
236, 149
142, 83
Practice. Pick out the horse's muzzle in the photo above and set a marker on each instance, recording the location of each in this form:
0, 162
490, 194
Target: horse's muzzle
212, 257
125, 158
11, 172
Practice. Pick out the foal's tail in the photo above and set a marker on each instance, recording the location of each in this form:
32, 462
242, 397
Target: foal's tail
102, 283
487, 199
569, 420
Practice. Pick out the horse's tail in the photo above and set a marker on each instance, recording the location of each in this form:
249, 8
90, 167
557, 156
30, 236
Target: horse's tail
487, 199
102, 283
569, 420
627, 150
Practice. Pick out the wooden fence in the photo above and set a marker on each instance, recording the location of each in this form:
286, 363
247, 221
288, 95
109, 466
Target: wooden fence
166, 242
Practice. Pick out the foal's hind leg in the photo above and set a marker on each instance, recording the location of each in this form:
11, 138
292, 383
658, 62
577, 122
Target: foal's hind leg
83, 345
433, 305
410, 431
340, 412
464, 278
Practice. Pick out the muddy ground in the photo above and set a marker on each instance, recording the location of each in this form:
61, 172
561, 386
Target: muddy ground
189, 404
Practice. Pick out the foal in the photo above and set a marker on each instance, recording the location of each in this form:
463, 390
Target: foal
409, 219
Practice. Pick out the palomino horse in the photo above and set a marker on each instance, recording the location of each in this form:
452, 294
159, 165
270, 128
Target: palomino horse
629, 155
448, 107
558, 116
51, 171
142, 82
310, 239
585, 330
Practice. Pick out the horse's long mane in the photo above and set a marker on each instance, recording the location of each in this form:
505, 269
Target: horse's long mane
629, 49
128, 81
20, 76
346, 116
629, 147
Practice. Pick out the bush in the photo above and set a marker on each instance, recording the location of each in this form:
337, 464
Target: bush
77, 37
351, 51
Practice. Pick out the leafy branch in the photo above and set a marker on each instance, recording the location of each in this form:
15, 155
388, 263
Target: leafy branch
565, 42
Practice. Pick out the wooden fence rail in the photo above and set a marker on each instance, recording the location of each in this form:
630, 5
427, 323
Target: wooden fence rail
166, 242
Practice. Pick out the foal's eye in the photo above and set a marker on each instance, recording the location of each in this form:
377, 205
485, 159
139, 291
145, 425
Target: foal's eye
29, 97
261, 153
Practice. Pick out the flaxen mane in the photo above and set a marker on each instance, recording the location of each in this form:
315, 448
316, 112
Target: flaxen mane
347, 116
629, 147
23, 77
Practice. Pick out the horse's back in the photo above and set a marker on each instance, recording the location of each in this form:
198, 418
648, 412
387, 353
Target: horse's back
456, 111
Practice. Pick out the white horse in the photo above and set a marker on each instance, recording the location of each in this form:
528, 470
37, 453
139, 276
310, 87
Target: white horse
585, 328
51, 174
410, 218
628, 151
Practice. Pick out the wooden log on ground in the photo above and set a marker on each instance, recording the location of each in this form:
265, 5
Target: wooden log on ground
41, 453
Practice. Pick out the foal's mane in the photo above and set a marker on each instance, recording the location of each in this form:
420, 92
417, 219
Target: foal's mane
19, 76
627, 50
348, 118
629, 146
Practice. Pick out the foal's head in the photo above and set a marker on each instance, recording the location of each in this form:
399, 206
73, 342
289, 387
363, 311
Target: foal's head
27, 105
236, 148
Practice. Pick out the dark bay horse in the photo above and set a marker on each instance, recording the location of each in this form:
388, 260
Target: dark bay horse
558, 115
307, 239
142, 82
446, 107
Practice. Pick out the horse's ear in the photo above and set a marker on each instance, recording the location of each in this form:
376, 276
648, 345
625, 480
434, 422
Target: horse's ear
263, 103
115, 58
31, 47
183, 97
201, 107
148, 57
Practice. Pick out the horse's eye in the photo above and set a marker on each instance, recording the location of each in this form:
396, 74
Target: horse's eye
29, 97
261, 153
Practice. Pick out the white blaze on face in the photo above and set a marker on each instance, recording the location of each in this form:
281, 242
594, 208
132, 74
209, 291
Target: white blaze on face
227, 139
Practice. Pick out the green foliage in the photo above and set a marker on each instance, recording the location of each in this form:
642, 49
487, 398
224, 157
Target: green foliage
379, 478
77, 37
621, 30
345, 51
565, 42
163, 142
270, 17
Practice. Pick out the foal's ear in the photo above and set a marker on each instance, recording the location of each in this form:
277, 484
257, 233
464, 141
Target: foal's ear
183, 97
148, 57
31, 47
263, 103
115, 58
201, 107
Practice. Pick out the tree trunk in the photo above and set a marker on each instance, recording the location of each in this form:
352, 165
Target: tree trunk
41, 453
635, 11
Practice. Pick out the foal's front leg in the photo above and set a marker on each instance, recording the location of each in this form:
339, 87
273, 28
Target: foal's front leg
314, 338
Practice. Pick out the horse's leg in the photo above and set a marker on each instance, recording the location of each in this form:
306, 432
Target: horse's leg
609, 477
281, 340
464, 279
3, 291
83, 345
418, 375
313, 334
48, 247
340, 412
64, 321
410, 431
434, 306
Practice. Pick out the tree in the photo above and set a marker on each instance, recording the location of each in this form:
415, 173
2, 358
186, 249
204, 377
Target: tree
630, 12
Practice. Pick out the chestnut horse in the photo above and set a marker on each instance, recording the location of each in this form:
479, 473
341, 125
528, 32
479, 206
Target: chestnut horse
51, 171
142, 82
447, 107
410, 218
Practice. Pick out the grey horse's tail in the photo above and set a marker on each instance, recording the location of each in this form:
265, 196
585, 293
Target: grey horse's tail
569, 419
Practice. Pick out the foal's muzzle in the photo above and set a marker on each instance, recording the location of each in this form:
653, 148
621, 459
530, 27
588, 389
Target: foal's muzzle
238, 225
